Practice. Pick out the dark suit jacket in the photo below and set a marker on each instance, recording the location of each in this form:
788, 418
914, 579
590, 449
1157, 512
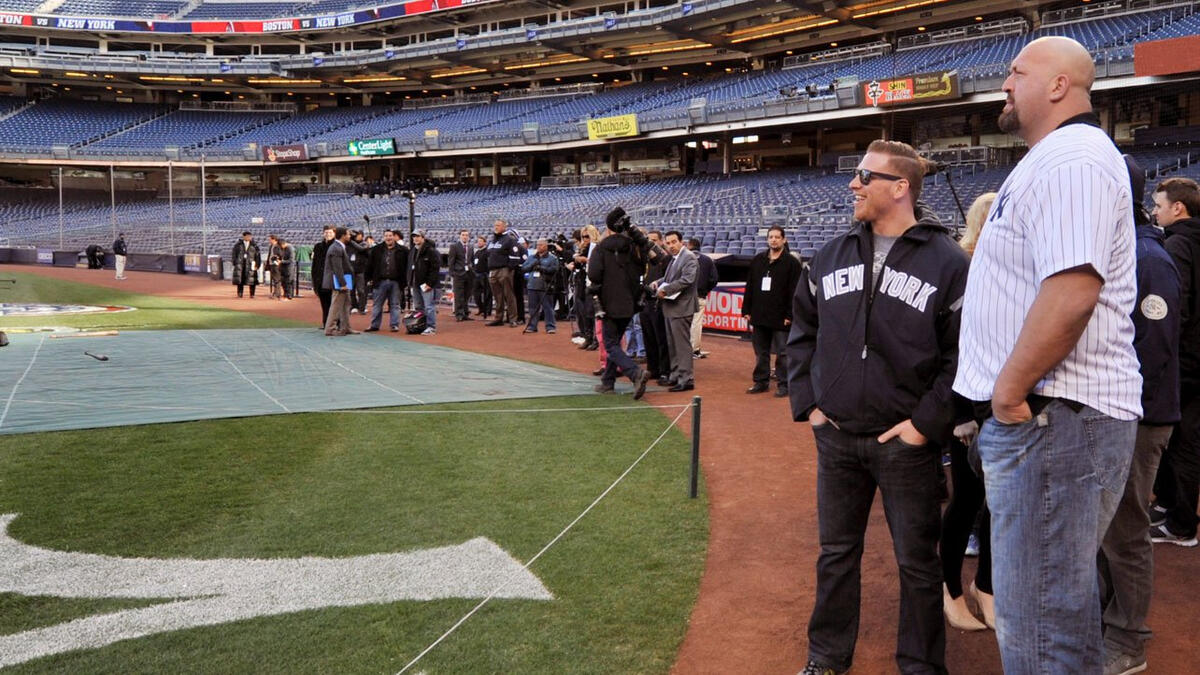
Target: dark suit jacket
456, 259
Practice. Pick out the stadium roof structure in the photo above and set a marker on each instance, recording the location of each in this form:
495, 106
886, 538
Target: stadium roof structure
448, 45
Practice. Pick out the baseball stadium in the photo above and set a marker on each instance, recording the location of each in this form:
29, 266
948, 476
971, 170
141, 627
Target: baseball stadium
215, 455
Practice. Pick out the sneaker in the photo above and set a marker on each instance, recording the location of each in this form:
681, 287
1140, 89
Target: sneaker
429, 331
1158, 515
604, 389
1119, 663
1163, 535
639, 384
814, 668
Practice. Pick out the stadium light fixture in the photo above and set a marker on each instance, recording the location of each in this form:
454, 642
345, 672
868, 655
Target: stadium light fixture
24, 71
921, 29
894, 8
169, 78
281, 80
374, 78
709, 63
71, 73
979, 18
832, 44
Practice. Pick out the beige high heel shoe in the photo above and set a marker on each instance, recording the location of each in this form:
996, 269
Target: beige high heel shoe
957, 613
987, 605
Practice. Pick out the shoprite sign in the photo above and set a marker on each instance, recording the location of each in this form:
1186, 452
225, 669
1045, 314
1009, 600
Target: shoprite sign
370, 147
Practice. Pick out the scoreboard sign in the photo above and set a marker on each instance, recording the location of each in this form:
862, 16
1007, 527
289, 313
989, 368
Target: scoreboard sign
922, 88
372, 147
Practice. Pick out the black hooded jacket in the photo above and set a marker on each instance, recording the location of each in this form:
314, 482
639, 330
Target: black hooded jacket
1183, 243
872, 360
616, 266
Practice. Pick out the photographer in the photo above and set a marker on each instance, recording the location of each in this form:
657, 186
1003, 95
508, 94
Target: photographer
541, 274
561, 248
615, 270
585, 312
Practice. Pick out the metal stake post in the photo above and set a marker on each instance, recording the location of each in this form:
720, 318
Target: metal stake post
695, 477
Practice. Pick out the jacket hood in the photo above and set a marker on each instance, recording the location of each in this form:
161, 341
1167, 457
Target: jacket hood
1185, 227
1150, 232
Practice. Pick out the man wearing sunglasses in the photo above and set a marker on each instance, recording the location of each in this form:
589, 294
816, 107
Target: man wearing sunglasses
871, 357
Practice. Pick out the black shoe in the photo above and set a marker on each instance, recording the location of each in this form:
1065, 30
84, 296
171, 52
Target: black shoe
592, 346
495, 323
529, 330
467, 318
604, 389
758, 388
683, 387
639, 384
514, 324
598, 372
781, 393
372, 329
664, 381
814, 668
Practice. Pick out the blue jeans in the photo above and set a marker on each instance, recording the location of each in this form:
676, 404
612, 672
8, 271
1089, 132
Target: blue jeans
541, 302
388, 290
633, 337
427, 302
1053, 484
849, 469
618, 362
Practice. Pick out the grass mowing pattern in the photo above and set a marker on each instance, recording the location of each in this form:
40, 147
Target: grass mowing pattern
340, 484
152, 311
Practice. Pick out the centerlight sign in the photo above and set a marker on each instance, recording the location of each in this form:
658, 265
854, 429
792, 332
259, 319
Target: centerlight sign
370, 147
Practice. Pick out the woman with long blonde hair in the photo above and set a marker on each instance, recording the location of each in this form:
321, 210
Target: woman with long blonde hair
967, 501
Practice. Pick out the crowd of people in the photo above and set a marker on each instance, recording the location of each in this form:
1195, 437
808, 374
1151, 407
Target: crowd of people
1057, 373
1061, 377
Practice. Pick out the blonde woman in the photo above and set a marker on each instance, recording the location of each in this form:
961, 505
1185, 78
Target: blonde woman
968, 497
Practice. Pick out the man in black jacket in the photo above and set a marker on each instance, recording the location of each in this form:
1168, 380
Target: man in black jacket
504, 255
246, 259
767, 304
707, 279
425, 279
654, 324
358, 249
120, 252
387, 265
483, 290
324, 294
462, 277
616, 266
872, 355
1177, 487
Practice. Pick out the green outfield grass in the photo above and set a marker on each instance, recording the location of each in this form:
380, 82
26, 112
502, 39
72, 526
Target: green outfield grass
338, 484
152, 312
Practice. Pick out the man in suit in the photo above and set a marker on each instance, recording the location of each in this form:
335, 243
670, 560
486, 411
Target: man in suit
459, 262
483, 290
318, 272
339, 280
676, 292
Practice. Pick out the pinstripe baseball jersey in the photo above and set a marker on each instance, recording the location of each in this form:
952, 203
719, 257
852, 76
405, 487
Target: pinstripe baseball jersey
1066, 204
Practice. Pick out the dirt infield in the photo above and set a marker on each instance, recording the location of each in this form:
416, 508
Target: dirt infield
757, 589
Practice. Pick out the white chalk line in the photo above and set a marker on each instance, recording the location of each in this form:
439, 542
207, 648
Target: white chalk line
239, 371
13, 393
545, 548
348, 369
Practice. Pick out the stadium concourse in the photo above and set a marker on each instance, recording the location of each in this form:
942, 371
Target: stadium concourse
758, 583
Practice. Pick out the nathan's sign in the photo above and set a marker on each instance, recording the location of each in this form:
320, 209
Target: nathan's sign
620, 126
371, 147
922, 88
285, 153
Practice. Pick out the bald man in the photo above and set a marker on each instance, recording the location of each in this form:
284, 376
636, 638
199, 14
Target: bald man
1047, 348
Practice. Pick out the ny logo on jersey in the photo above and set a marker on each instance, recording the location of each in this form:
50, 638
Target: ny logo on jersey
998, 207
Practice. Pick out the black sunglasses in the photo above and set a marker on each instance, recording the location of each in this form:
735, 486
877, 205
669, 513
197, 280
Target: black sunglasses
865, 176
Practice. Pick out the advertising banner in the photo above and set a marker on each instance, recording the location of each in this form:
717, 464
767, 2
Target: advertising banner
285, 153
923, 88
372, 147
620, 126
724, 309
